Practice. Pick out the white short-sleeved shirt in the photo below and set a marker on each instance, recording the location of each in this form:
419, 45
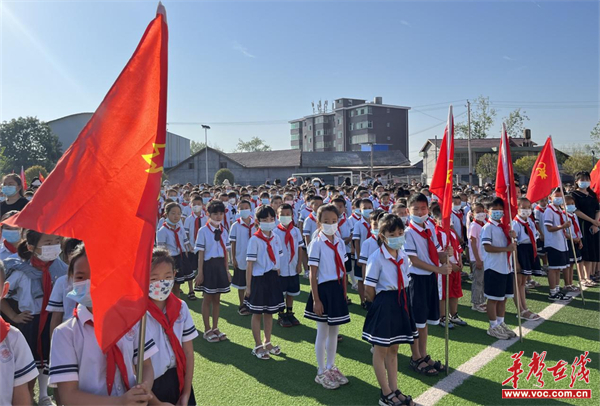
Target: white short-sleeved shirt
205, 241
522, 235
287, 267
457, 222
323, 257
554, 239
367, 248
229, 216
186, 210
5, 253
492, 234
419, 247
165, 237
310, 225
59, 302
442, 237
258, 253
190, 226
574, 232
538, 213
385, 208
240, 233
76, 356
382, 273
185, 330
304, 213
17, 366
361, 230
345, 230
474, 232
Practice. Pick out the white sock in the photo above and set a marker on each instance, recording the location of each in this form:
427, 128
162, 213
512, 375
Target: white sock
332, 345
499, 320
320, 345
43, 382
493, 323
553, 291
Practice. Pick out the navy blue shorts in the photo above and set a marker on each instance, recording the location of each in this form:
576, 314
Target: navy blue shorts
557, 259
498, 286
424, 299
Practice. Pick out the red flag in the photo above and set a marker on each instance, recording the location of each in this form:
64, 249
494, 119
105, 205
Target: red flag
23, 178
120, 154
505, 179
41, 177
595, 180
544, 176
441, 182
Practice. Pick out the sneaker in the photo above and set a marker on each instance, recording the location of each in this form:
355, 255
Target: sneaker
543, 272
507, 330
338, 376
327, 380
478, 308
284, 321
497, 332
443, 323
457, 320
292, 319
555, 297
46, 401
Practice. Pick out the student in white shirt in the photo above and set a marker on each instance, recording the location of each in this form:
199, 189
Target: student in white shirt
239, 235
10, 237
475, 257
345, 231
360, 233
371, 244
458, 218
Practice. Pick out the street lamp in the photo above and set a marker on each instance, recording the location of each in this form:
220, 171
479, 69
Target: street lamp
206, 128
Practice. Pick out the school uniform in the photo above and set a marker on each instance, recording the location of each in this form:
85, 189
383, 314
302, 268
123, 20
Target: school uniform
538, 214
555, 242
458, 221
475, 228
310, 225
170, 329
498, 280
31, 290
422, 243
186, 209
240, 233
192, 225
360, 233
291, 241
574, 232
59, 301
7, 250
345, 231
215, 266
454, 279
266, 296
77, 357
304, 213
387, 208
329, 259
390, 320
527, 253
367, 248
17, 366
229, 217
175, 239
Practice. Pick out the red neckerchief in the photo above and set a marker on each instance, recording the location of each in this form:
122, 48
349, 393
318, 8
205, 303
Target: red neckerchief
176, 232
479, 222
560, 216
197, 224
226, 224
10, 247
340, 269
450, 239
460, 214
114, 360
185, 204
356, 217
384, 208
401, 287
248, 226
270, 251
310, 216
432, 251
575, 224
506, 230
4, 328
167, 321
540, 208
47, 289
368, 227
525, 224
342, 221
289, 240
221, 242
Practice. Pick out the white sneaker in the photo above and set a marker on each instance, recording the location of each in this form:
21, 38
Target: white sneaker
46, 401
497, 332
507, 330
327, 380
338, 376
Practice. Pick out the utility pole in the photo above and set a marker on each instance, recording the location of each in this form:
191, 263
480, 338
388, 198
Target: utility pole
371, 145
206, 128
436, 148
469, 143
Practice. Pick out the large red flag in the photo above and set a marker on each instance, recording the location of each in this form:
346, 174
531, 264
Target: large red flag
505, 179
544, 176
23, 178
595, 179
441, 182
103, 190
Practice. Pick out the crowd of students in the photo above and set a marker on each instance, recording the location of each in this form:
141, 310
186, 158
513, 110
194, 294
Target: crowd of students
384, 241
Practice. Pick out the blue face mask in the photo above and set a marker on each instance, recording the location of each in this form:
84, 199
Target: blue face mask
557, 201
366, 212
357, 211
265, 201
497, 215
169, 222
245, 213
9, 190
571, 208
395, 243
205, 200
375, 232
584, 184
419, 219
12, 236
81, 293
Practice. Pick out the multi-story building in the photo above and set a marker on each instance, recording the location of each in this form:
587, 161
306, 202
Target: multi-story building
352, 125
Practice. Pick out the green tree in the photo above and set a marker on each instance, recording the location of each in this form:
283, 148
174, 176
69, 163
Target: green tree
580, 160
28, 141
34, 172
4, 163
515, 123
223, 174
524, 165
255, 144
595, 134
486, 166
197, 146
482, 119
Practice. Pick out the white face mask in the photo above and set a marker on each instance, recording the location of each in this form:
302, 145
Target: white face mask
480, 216
215, 223
160, 290
285, 220
232, 201
329, 229
264, 226
524, 212
197, 209
49, 252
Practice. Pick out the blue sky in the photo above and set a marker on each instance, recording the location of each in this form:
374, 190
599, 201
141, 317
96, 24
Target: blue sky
237, 62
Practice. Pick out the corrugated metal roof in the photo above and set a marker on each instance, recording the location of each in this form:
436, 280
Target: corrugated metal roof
268, 159
353, 159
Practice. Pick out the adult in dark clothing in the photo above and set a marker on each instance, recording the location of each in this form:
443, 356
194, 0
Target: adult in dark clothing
588, 211
12, 189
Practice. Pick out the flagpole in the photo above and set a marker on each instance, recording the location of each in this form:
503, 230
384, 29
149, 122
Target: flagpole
572, 242
141, 345
447, 331
449, 140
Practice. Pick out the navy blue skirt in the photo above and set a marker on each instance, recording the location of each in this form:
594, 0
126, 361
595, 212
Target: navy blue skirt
265, 294
215, 277
528, 263
335, 306
388, 322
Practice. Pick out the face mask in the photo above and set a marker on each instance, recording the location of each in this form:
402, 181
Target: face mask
264, 226
285, 220
584, 184
169, 222
232, 201
497, 215
12, 236
329, 229
215, 223
81, 293
557, 201
375, 232
571, 208
480, 216
254, 197
341, 193
205, 200
419, 219
174, 198
316, 184
366, 212
463, 204
404, 220
197, 209
356, 211
524, 212
49, 252
290, 202
395, 243
456, 208
29, 198
9, 190
245, 213
265, 201
160, 290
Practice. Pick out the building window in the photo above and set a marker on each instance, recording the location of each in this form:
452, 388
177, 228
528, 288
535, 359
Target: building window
350, 102
388, 110
340, 147
339, 121
351, 126
370, 110
339, 134
362, 111
370, 124
190, 165
389, 138
295, 126
388, 125
309, 139
305, 124
310, 128
222, 165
